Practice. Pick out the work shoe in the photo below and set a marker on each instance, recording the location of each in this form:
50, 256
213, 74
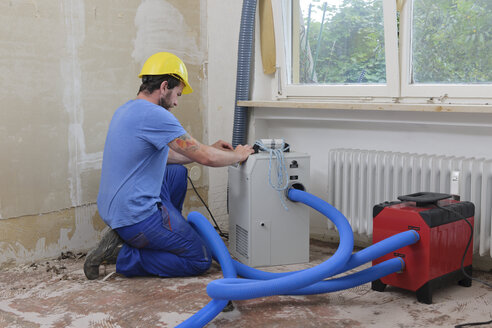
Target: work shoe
106, 252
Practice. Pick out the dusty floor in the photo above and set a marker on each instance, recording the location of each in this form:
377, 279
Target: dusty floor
57, 294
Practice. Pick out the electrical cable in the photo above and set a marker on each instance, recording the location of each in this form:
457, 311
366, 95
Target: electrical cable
460, 216
473, 324
222, 234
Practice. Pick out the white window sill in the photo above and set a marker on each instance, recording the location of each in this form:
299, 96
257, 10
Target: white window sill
447, 108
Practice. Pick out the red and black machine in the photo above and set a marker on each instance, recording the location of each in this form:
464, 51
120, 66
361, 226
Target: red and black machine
436, 259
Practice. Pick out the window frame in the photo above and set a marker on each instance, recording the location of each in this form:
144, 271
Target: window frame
398, 67
282, 17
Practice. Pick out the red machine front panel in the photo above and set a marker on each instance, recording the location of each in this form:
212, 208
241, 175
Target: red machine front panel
438, 252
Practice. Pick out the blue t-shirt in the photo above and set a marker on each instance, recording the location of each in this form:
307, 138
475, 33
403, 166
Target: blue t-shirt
134, 162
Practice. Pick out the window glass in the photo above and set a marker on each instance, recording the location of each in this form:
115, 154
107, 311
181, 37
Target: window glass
451, 41
338, 42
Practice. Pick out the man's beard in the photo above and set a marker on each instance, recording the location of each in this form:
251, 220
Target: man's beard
164, 102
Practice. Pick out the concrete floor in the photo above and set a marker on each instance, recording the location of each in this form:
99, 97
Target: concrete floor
56, 293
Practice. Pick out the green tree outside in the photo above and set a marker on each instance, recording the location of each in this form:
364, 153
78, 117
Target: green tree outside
452, 43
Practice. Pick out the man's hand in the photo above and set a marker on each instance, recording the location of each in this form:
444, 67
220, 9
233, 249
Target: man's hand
244, 151
222, 145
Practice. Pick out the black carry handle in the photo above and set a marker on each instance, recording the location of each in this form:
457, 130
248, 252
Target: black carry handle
256, 148
424, 198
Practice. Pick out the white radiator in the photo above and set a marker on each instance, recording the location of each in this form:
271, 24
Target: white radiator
359, 179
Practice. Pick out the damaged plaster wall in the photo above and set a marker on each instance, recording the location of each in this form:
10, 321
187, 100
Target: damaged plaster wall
65, 66
222, 65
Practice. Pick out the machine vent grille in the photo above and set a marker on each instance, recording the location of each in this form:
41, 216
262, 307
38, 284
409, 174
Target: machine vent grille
242, 241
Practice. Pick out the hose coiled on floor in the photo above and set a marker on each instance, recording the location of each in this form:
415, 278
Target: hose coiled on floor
258, 283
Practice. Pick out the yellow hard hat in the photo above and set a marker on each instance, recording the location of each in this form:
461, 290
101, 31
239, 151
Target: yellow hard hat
166, 63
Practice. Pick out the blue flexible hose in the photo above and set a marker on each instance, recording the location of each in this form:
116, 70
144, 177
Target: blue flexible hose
303, 282
242, 289
368, 254
364, 276
221, 254
244, 55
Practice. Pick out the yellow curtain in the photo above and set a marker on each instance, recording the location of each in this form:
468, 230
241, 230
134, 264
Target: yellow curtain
399, 5
267, 37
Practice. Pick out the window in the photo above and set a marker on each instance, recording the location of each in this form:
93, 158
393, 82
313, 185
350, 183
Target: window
340, 43
452, 42
449, 48
371, 48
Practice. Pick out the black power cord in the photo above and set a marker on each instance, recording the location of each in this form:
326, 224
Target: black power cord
463, 262
460, 216
222, 234
473, 324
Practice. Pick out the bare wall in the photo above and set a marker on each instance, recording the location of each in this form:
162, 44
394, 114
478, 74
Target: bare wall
65, 66
223, 21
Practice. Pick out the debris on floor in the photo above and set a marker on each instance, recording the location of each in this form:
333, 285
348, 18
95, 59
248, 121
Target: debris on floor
56, 293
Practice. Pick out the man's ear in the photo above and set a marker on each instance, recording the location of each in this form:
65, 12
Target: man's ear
164, 86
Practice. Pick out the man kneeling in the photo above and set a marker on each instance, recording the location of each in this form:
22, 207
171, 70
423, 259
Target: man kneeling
143, 183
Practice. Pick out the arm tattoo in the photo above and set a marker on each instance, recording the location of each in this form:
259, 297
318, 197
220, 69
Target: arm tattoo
186, 142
